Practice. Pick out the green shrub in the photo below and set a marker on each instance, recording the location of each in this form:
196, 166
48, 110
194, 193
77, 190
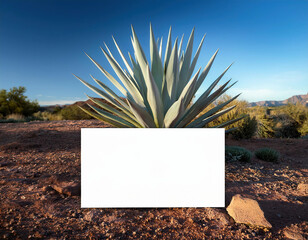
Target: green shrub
298, 113
303, 128
47, 116
267, 154
17, 117
286, 127
265, 128
235, 153
246, 129
14, 101
73, 113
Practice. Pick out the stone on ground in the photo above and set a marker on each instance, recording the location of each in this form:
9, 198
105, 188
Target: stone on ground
303, 188
247, 211
67, 188
289, 234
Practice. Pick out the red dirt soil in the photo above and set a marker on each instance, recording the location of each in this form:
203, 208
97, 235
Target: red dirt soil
35, 156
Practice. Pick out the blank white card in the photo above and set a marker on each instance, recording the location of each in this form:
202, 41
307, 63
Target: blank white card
159, 168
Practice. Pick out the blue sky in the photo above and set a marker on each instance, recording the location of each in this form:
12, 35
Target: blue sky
42, 42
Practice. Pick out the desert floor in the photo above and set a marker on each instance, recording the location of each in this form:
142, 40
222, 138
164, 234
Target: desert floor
37, 159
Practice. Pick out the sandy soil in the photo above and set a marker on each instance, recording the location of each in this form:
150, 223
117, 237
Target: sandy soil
38, 155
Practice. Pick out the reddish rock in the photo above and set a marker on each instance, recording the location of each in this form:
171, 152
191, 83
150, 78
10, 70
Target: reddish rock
247, 211
93, 215
290, 234
67, 188
220, 216
303, 188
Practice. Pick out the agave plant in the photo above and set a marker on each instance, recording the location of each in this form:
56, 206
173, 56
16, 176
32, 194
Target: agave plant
158, 94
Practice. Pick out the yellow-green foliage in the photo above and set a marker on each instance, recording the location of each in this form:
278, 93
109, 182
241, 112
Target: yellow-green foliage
265, 124
246, 127
298, 113
47, 116
289, 121
16, 117
73, 113
66, 113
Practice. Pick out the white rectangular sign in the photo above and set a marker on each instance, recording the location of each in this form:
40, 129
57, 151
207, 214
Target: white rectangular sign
131, 168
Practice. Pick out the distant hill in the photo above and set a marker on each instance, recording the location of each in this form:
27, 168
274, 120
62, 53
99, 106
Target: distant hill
303, 99
52, 108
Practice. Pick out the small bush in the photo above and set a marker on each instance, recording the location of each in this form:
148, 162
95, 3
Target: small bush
47, 116
247, 129
14, 101
267, 154
303, 129
286, 127
17, 117
265, 127
234, 153
74, 113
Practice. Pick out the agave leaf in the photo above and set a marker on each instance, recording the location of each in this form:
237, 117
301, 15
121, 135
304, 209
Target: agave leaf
131, 59
187, 92
160, 48
181, 60
156, 64
133, 81
202, 102
231, 130
211, 118
123, 58
205, 72
172, 74
100, 92
212, 111
126, 82
183, 76
138, 76
111, 117
193, 64
213, 85
110, 92
123, 106
180, 46
154, 99
168, 50
174, 113
112, 80
110, 53
139, 54
114, 111
141, 114
101, 118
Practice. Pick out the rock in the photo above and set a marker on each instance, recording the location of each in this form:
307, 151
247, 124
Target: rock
92, 215
303, 188
47, 188
67, 188
220, 216
247, 211
289, 234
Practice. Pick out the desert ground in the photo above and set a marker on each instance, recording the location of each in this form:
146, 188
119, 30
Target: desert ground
40, 192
